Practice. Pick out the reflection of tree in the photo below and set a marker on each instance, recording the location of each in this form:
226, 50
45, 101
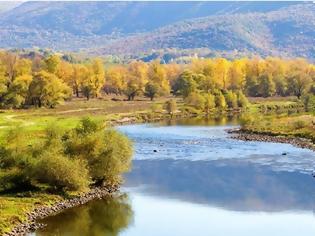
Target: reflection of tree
209, 121
108, 216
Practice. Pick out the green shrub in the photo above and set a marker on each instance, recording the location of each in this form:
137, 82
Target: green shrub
60, 171
196, 100
242, 100
87, 154
107, 153
299, 124
231, 100
171, 106
209, 103
220, 101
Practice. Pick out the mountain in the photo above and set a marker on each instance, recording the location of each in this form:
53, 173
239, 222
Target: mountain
8, 5
286, 32
265, 28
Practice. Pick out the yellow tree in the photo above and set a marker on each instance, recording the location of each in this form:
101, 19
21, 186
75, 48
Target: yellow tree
221, 70
64, 71
51, 63
237, 74
96, 78
116, 79
157, 75
78, 78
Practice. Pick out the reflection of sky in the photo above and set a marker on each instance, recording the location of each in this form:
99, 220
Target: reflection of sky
200, 182
211, 143
156, 217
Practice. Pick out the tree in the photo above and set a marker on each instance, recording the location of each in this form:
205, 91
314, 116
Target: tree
298, 84
52, 62
266, 87
96, 76
237, 75
116, 79
185, 84
151, 90
47, 90
157, 75
221, 69
251, 86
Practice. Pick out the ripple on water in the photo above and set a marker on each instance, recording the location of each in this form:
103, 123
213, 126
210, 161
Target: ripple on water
197, 143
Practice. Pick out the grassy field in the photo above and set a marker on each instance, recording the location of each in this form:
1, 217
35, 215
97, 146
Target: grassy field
68, 114
297, 125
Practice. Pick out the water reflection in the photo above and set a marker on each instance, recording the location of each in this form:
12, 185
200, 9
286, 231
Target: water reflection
108, 216
228, 184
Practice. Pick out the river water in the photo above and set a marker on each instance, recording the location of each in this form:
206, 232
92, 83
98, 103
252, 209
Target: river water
190, 178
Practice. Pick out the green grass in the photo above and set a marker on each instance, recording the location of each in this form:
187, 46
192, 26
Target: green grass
297, 125
13, 209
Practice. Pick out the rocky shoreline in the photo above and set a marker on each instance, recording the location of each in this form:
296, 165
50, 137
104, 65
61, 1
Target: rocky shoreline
41, 212
251, 136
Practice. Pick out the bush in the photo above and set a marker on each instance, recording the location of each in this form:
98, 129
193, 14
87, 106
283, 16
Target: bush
65, 161
309, 102
231, 100
299, 124
170, 107
209, 102
220, 101
107, 153
242, 100
196, 101
59, 171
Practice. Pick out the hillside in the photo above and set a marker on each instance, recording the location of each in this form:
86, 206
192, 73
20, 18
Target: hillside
285, 32
237, 28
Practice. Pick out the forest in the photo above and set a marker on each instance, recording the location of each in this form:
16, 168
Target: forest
46, 81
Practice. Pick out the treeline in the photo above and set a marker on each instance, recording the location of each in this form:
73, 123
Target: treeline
46, 81
76, 159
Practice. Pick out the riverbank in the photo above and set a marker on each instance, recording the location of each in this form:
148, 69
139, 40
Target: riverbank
269, 137
31, 223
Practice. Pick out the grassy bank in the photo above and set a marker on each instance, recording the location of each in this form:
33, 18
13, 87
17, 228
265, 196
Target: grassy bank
297, 125
14, 208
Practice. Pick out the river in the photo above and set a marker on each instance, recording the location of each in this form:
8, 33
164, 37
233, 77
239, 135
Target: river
190, 178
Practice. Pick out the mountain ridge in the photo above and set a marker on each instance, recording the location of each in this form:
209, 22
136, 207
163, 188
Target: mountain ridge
277, 28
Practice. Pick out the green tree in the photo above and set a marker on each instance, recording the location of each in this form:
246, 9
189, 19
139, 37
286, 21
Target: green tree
185, 84
298, 84
52, 62
266, 87
151, 90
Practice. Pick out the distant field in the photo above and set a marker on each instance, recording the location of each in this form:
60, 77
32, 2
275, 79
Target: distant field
68, 114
